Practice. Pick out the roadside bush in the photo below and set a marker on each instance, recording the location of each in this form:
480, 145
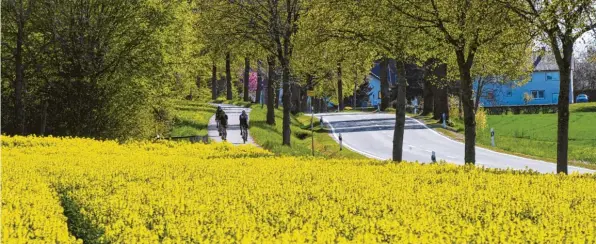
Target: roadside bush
481, 119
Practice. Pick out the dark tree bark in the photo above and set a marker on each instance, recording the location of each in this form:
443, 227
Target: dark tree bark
340, 94
214, 82
428, 97
384, 84
44, 118
228, 78
564, 63
354, 94
270, 95
19, 83
246, 76
277, 91
441, 101
478, 92
469, 116
286, 102
259, 83
400, 113
439, 91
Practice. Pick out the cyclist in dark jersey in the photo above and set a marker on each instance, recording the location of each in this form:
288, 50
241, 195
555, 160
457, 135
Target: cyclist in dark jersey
243, 121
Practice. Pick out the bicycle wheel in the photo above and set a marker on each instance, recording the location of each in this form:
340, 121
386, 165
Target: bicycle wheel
244, 135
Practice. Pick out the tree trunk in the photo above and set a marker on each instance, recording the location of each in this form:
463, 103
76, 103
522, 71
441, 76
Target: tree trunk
286, 102
270, 95
354, 93
277, 91
214, 82
384, 84
44, 118
246, 76
564, 63
19, 79
259, 83
228, 78
478, 92
428, 97
400, 113
441, 98
469, 115
340, 94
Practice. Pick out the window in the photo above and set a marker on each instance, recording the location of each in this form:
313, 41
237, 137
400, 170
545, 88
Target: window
538, 94
490, 95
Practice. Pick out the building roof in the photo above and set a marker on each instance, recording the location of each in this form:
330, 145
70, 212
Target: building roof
392, 76
544, 62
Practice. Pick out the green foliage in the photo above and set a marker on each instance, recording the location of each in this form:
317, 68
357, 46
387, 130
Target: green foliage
102, 69
191, 118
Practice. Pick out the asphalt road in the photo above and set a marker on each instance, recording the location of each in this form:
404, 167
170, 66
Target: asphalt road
234, 136
371, 134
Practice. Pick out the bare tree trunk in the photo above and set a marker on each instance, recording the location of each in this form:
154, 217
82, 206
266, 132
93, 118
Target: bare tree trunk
479, 88
400, 114
228, 78
564, 63
246, 77
214, 82
19, 79
44, 118
277, 91
286, 102
354, 93
441, 98
259, 83
469, 115
340, 95
270, 95
428, 97
384, 84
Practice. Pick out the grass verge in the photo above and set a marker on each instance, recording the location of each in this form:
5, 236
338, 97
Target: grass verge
191, 118
270, 136
534, 135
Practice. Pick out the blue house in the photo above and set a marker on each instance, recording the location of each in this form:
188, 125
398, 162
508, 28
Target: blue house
374, 82
542, 89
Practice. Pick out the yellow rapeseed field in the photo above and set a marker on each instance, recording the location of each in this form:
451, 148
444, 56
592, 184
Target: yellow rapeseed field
68, 190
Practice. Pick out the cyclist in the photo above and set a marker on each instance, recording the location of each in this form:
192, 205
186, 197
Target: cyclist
218, 114
243, 122
223, 122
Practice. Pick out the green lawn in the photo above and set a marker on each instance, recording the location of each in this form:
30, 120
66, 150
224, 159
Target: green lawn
191, 118
270, 137
535, 135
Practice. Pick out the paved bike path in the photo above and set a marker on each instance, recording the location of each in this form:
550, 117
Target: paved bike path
234, 136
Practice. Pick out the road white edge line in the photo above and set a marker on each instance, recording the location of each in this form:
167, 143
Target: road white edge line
505, 154
350, 147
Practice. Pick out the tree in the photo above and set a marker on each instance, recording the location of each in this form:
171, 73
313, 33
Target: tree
464, 32
561, 23
108, 62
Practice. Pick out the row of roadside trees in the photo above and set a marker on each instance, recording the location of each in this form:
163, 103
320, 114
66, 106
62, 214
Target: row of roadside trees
105, 61
474, 38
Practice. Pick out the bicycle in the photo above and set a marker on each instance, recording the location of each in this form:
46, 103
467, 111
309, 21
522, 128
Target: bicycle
244, 133
224, 132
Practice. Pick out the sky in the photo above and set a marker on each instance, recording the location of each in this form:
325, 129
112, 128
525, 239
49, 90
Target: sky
583, 42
